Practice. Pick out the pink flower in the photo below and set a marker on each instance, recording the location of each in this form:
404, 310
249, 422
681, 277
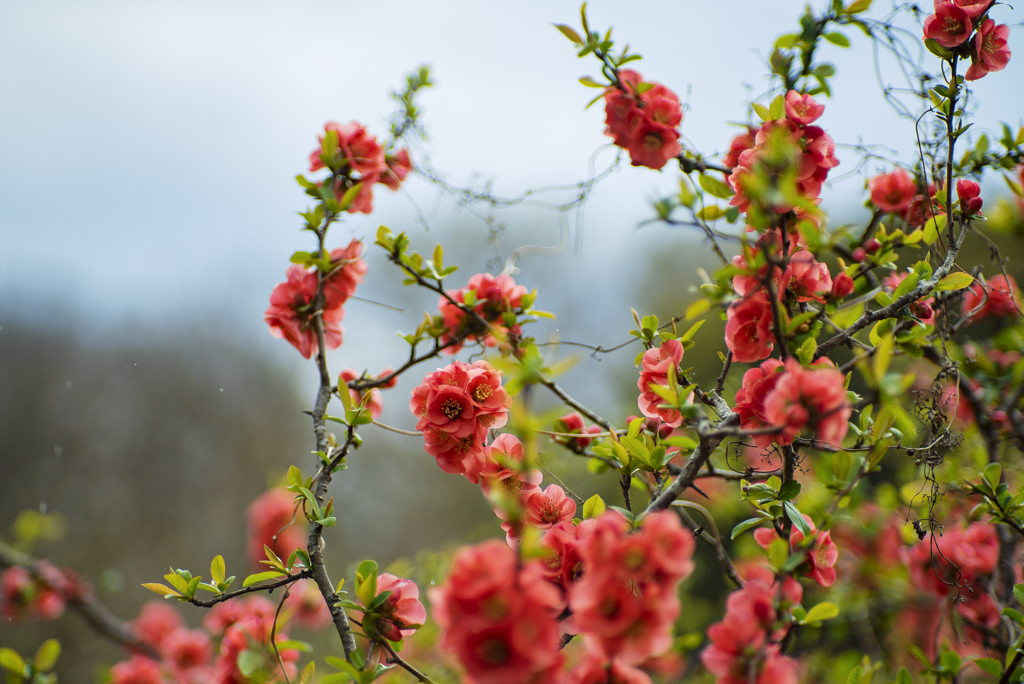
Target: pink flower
360, 151
757, 384
653, 143
309, 610
157, 619
967, 192
807, 279
495, 296
573, 422
348, 269
597, 670
655, 367
402, 613
949, 26
892, 192
499, 621
187, 653
812, 397
273, 515
973, 8
137, 670
995, 298
748, 330
802, 108
22, 596
253, 633
959, 555
547, 508
842, 285
375, 402
643, 124
227, 613
739, 144
991, 50
291, 309
398, 167
505, 479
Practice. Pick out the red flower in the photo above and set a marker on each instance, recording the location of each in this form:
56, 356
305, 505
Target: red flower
802, 109
309, 610
973, 8
991, 50
894, 191
748, 330
495, 296
842, 285
376, 401
137, 670
995, 298
399, 167
597, 670
227, 613
967, 192
187, 653
807, 279
643, 124
22, 596
498, 620
757, 384
156, 621
348, 269
547, 508
949, 26
291, 309
573, 422
504, 472
273, 514
937, 564
655, 366
402, 613
812, 397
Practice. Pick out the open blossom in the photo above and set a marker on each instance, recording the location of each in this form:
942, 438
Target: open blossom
187, 653
949, 26
821, 558
748, 330
802, 109
227, 613
966, 555
22, 596
270, 515
308, 608
547, 508
358, 152
995, 298
402, 613
399, 167
136, 670
156, 621
498, 619
645, 124
290, 314
757, 384
991, 50
894, 191
594, 669
573, 422
968, 193
348, 269
626, 602
505, 479
809, 397
654, 370
456, 407
495, 296
807, 279
254, 633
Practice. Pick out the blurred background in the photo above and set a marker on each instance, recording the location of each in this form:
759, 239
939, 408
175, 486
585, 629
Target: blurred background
147, 209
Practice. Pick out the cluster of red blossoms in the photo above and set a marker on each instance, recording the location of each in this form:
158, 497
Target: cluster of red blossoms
899, 193
745, 642
999, 297
293, 303
24, 597
502, 621
817, 156
358, 152
956, 563
456, 406
492, 298
654, 369
643, 118
790, 397
820, 560
951, 27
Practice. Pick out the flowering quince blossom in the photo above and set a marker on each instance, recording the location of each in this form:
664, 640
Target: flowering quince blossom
270, 515
573, 422
817, 156
813, 397
156, 621
495, 296
291, 310
842, 285
498, 619
743, 635
547, 508
654, 368
626, 602
359, 152
505, 479
402, 613
307, 606
137, 670
643, 124
594, 669
968, 193
187, 654
757, 384
251, 632
456, 407
226, 614
375, 402
821, 559
949, 26
1000, 296
22, 596
748, 328
991, 50
893, 192
807, 279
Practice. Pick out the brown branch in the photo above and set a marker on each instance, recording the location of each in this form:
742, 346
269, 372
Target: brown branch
269, 588
83, 601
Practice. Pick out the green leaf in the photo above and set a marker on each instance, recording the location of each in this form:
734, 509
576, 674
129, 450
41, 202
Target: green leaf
593, 507
569, 33
787, 41
951, 661
714, 186
217, 569
933, 228
777, 553
778, 108
161, 589
954, 281
858, 6
883, 356
1018, 593
837, 38
763, 112
908, 284
46, 656
992, 474
336, 678
249, 662
366, 581
793, 513
903, 676
12, 662
989, 665
697, 308
260, 577
744, 526
854, 676
306, 676
590, 83
790, 490
822, 611
349, 197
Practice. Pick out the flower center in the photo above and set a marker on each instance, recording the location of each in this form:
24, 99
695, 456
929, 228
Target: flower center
550, 514
953, 26
652, 141
482, 393
451, 408
493, 652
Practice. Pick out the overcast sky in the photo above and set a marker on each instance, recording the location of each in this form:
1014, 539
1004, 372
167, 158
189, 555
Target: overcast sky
147, 149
